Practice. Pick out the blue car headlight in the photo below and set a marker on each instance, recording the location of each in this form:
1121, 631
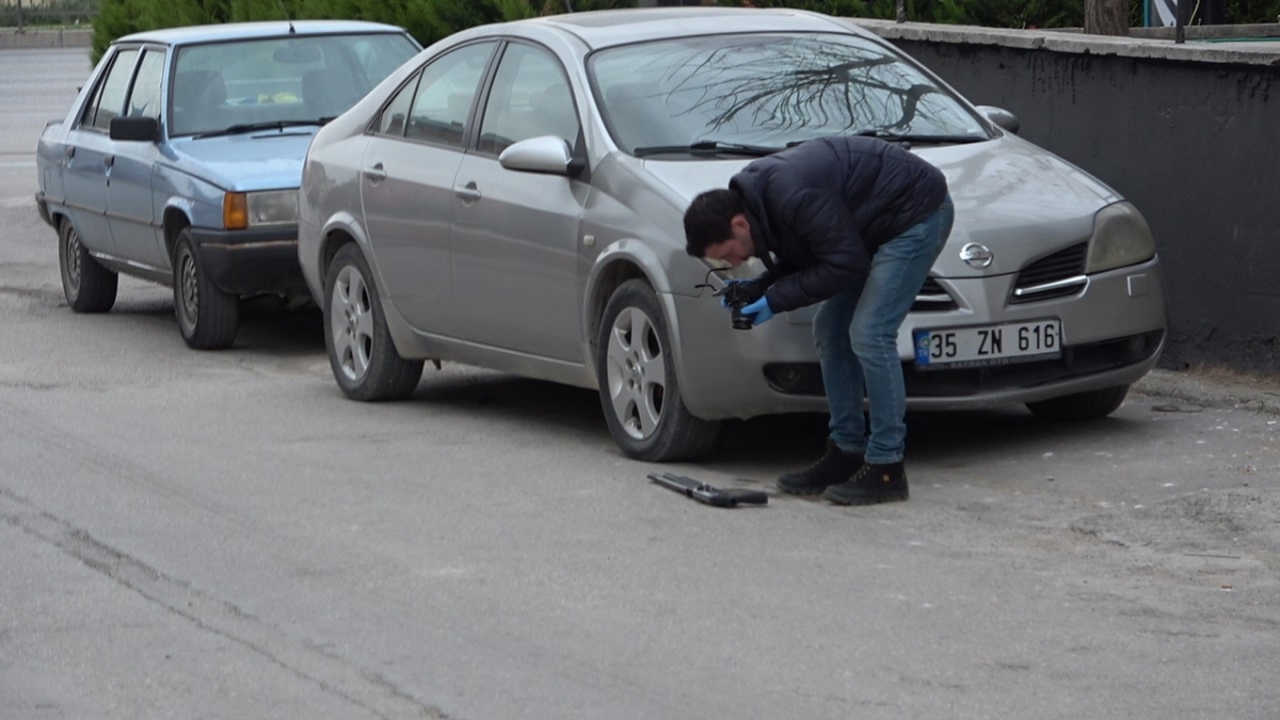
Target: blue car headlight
255, 209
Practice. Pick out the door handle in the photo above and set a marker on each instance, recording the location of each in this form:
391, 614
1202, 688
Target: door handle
108, 160
70, 151
376, 174
469, 192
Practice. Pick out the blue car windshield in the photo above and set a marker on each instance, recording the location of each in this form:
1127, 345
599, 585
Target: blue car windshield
276, 82
770, 90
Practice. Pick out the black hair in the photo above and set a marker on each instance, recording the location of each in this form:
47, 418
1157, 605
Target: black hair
707, 221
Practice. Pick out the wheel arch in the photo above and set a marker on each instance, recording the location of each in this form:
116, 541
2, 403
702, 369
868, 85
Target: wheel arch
622, 261
176, 219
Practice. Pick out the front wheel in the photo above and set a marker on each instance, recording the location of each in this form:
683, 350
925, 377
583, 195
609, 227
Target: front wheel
638, 386
1081, 406
363, 358
88, 287
208, 317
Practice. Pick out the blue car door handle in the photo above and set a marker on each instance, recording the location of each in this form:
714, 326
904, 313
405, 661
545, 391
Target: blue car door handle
469, 192
376, 174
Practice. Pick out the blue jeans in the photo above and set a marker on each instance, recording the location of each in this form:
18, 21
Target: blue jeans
857, 336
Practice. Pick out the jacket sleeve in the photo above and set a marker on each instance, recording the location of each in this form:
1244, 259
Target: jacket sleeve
824, 225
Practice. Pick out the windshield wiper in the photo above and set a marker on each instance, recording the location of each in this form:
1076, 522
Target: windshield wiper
708, 147
254, 127
923, 139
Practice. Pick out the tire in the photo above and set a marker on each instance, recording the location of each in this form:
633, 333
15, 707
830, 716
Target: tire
364, 360
208, 317
1090, 405
88, 286
639, 390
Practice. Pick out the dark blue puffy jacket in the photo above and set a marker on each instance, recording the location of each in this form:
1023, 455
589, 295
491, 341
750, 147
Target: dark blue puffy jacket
824, 206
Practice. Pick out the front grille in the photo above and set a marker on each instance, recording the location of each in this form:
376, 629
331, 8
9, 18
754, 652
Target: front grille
1054, 276
933, 298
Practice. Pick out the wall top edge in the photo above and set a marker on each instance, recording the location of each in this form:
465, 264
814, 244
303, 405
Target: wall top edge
1244, 51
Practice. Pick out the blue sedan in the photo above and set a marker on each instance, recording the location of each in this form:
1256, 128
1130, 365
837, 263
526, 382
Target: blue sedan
181, 158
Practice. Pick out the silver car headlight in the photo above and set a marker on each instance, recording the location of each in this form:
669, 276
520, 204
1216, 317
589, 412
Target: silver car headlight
255, 209
1120, 237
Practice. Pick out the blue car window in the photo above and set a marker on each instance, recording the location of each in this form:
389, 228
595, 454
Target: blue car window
144, 99
108, 101
301, 79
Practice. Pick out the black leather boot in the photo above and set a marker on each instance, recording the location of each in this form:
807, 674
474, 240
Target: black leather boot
872, 484
836, 466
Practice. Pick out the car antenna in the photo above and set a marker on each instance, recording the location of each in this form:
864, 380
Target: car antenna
285, 11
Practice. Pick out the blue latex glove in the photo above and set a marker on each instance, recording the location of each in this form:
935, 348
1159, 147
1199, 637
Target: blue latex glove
760, 309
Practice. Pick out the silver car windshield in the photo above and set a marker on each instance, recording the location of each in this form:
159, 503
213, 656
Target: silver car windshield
708, 95
242, 86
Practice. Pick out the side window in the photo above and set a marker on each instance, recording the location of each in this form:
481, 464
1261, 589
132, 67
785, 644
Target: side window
144, 100
108, 101
531, 96
445, 95
393, 115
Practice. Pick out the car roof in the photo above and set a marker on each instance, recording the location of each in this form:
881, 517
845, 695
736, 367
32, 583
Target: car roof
603, 28
193, 34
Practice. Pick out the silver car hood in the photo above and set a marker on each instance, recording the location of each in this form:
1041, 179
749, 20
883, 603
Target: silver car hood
1007, 192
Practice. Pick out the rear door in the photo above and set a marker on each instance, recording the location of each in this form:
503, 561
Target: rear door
407, 184
88, 154
515, 234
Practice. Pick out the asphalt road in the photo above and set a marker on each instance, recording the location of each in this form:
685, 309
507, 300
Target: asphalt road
223, 535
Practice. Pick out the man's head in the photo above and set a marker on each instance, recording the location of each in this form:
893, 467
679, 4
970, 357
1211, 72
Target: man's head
716, 227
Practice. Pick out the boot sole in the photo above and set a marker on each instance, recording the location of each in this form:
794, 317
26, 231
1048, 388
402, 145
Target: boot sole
802, 491
876, 500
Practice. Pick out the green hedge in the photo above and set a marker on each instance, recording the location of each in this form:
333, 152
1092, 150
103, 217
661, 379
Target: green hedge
430, 20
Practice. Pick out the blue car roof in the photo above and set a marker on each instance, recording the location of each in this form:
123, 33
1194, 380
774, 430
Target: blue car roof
194, 34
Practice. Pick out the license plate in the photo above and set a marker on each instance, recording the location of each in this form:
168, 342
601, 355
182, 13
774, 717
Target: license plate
980, 345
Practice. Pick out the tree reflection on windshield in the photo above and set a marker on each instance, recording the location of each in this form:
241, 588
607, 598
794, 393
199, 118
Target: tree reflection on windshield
769, 90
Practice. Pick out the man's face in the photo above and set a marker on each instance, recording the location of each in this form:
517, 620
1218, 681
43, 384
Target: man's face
737, 249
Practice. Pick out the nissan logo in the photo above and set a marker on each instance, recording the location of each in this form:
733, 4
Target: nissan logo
976, 255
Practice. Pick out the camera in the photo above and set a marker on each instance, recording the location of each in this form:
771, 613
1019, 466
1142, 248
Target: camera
738, 294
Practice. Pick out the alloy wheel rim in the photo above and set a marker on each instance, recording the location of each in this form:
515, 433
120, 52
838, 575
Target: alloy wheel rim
636, 373
351, 323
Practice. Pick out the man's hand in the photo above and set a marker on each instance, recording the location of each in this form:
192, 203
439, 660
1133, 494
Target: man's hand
759, 310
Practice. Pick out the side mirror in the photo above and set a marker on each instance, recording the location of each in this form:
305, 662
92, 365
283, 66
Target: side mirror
1003, 119
545, 154
140, 129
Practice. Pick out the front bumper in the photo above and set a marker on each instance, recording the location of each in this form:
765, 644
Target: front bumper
253, 261
1113, 333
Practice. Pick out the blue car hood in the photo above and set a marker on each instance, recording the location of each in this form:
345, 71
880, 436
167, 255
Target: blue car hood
264, 160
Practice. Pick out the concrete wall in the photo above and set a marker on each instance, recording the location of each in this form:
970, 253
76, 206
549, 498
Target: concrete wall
44, 37
1190, 133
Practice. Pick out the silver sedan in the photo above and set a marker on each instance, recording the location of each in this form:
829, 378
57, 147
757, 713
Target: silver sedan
513, 198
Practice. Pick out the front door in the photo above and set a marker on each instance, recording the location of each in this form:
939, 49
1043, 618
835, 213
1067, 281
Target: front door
131, 209
515, 234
